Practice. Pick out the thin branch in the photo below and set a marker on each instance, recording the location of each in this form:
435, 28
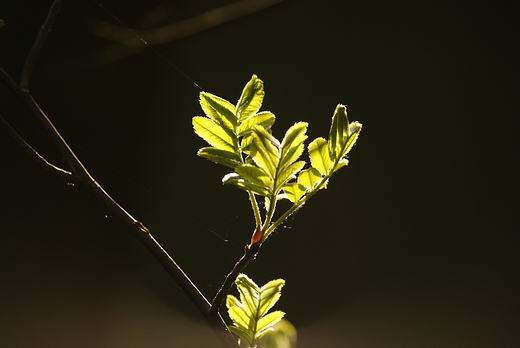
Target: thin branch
82, 176
132, 38
250, 252
38, 44
39, 159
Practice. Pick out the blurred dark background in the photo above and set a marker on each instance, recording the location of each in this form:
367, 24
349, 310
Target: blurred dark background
415, 244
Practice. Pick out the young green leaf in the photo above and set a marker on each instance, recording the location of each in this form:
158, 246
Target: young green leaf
339, 131
251, 99
214, 134
220, 110
265, 150
292, 144
294, 191
249, 314
244, 184
320, 156
309, 178
255, 175
226, 158
264, 119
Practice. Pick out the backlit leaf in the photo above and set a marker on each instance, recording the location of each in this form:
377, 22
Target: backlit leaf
319, 155
219, 109
294, 191
255, 175
226, 158
214, 134
240, 182
339, 131
288, 173
309, 177
251, 99
249, 314
264, 119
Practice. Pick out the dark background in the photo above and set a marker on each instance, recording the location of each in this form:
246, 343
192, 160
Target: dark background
413, 245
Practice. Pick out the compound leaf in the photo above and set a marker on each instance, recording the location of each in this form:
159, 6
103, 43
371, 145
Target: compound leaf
249, 313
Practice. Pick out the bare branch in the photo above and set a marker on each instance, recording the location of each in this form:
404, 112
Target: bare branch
38, 44
39, 159
81, 176
250, 252
135, 40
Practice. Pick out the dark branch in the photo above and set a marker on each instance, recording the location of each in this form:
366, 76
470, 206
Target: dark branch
38, 44
39, 159
250, 252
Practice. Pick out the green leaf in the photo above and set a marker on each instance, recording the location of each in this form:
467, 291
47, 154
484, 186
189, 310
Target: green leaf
266, 322
265, 150
269, 294
320, 156
264, 119
255, 175
292, 144
251, 99
226, 158
220, 110
294, 191
309, 177
249, 314
339, 131
288, 173
240, 182
214, 134
2, 23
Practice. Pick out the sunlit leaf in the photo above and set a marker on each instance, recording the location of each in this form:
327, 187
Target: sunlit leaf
226, 158
292, 144
249, 314
309, 177
288, 173
319, 155
214, 134
295, 134
264, 119
270, 294
255, 175
251, 99
339, 131
264, 150
219, 109
267, 321
294, 191
240, 182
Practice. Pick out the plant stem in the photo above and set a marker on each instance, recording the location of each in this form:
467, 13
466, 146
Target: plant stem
256, 210
38, 44
250, 252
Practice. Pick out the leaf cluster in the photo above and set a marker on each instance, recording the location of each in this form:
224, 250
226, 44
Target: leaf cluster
249, 314
241, 138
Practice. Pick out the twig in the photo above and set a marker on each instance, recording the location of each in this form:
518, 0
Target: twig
38, 44
39, 159
134, 38
82, 176
250, 252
